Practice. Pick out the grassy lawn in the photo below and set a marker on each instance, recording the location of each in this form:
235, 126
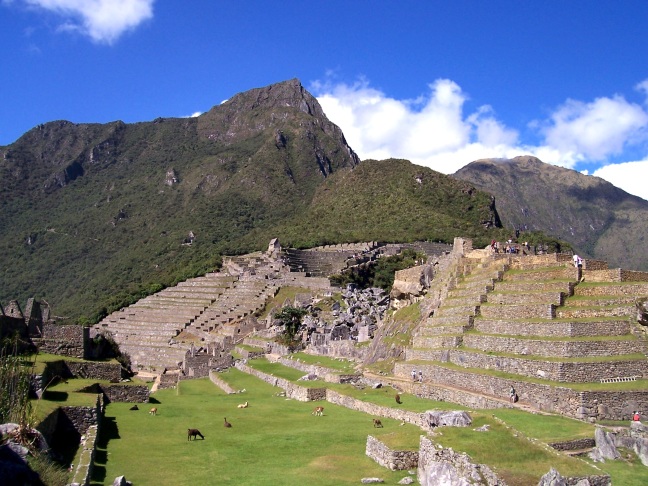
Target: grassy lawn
514, 458
546, 428
279, 441
273, 441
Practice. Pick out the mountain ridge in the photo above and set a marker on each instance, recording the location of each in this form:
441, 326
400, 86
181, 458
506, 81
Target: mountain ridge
98, 215
600, 219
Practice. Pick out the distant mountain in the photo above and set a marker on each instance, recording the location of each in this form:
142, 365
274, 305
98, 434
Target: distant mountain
95, 215
599, 219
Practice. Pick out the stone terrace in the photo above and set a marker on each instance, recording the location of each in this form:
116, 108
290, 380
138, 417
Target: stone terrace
206, 309
533, 323
145, 329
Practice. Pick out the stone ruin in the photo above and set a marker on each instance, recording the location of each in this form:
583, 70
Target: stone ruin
356, 319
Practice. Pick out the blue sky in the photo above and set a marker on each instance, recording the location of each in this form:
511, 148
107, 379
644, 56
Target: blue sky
441, 83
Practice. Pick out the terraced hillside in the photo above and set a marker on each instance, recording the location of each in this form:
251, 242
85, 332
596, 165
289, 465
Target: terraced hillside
564, 339
157, 331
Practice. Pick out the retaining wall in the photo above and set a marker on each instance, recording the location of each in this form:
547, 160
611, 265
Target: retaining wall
66, 340
296, 392
336, 398
558, 349
126, 393
389, 458
594, 405
554, 328
223, 385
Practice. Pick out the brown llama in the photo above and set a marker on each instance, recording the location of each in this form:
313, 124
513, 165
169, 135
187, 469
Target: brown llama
377, 423
194, 433
318, 411
398, 399
153, 411
227, 424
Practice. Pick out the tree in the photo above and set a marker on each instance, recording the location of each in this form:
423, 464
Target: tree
290, 318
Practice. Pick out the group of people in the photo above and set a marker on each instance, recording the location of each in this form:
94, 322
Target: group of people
510, 247
418, 375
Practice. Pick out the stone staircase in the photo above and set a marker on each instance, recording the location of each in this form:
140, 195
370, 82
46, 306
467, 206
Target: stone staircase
535, 323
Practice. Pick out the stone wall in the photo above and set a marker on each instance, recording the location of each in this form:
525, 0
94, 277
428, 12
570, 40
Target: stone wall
223, 385
82, 422
572, 372
339, 349
65, 340
574, 445
200, 364
296, 392
638, 288
559, 349
95, 370
391, 459
322, 372
126, 393
529, 311
554, 329
83, 470
600, 405
336, 398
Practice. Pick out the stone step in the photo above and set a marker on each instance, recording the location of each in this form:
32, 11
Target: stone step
443, 329
526, 298
566, 288
528, 311
475, 292
574, 370
600, 301
440, 341
581, 312
543, 274
616, 289
461, 310
602, 327
553, 348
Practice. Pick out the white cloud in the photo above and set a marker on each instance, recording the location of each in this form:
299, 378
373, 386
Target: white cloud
629, 176
596, 130
429, 131
104, 21
434, 131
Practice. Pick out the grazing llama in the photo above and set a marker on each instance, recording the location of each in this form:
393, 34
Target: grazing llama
377, 423
153, 411
319, 411
398, 399
227, 424
194, 433
243, 405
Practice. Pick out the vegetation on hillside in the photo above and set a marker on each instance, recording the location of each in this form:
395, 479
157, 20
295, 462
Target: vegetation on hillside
96, 216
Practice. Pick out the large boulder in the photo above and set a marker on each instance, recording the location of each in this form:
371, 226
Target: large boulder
447, 418
605, 448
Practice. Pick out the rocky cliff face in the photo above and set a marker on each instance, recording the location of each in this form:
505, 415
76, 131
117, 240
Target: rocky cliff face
599, 219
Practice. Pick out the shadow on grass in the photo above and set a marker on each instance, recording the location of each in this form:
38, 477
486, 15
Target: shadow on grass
109, 431
154, 400
55, 396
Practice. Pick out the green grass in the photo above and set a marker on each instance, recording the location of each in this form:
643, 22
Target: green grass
334, 364
546, 428
274, 441
514, 458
